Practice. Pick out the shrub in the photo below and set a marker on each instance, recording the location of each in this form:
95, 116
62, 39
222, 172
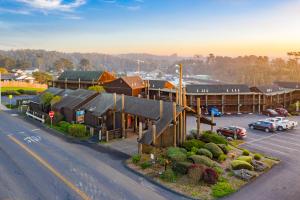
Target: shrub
194, 150
205, 152
97, 88
175, 154
213, 137
197, 159
214, 149
168, 175
28, 92
225, 148
257, 156
64, 126
145, 165
190, 153
189, 144
218, 169
136, 158
77, 130
56, 119
246, 152
240, 164
181, 167
195, 172
245, 158
210, 176
222, 189
222, 158
183, 150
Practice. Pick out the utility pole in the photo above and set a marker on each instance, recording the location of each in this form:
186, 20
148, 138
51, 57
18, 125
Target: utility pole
139, 67
0, 90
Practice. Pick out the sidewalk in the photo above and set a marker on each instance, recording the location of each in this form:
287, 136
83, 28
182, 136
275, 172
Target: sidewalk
3, 107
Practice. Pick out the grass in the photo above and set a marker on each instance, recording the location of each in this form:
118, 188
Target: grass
4, 89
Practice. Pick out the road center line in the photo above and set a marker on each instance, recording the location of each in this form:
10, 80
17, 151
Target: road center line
83, 195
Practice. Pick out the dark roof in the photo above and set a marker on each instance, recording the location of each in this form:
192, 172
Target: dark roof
101, 103
82, 75
158, 84
218, 88
52, 90
75, 98
286, 84
268, 88
8, 77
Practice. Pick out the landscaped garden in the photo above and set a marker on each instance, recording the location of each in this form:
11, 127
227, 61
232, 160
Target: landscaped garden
205, 167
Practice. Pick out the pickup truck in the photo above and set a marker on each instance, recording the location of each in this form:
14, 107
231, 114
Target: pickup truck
282, 124
292, 124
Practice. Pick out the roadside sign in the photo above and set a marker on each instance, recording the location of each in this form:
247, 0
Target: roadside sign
80, 116
51, 114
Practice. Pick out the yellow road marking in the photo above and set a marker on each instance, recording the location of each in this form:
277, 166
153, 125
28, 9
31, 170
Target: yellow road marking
50, 168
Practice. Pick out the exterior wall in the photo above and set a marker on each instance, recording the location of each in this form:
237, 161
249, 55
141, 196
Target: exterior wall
106, 77
118, 86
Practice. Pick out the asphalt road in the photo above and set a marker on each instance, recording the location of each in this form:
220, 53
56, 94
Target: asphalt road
37, 165
283, 181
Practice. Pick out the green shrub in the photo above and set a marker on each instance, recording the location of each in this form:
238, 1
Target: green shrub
205, 152
222, 158
181, 167
195, 172
77, 130
222, 189
189, 144
213, 137
194, 150
190, 153
214, 149
64, 126
136, 158
246, 152
218, 169
210, 176
245, 158
257, 156
198, 159
225, 148
175, 154
183, 150
168, 175
240, 164
145, 165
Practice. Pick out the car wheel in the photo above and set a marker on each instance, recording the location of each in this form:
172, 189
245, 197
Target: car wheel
251, 127
280, 128
267, 130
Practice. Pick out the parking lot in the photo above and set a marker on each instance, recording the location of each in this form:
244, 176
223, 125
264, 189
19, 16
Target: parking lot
282, 182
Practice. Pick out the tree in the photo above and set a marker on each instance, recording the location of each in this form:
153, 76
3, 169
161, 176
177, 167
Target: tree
3, 70
63, 64
97, 88
55, 100
7, 62
42, 77
84, 64
46, 98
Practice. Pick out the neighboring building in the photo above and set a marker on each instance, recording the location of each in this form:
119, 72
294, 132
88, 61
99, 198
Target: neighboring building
127, 85
292, 86
81, 79
8, 77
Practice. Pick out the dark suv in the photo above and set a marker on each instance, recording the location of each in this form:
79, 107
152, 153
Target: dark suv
263, 125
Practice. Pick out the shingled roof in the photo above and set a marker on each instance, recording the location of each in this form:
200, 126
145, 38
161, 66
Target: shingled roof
266, 89
82, 75
52, 90
133, 81
158, 84
218, 88
286, 84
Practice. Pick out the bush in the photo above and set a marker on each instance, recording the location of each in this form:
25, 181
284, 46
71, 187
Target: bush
222, 158
257, 156
190, 153
28, 92
248, 159
56, 119
183, 150
240, 164
175, 154
168, 175
213, 137
145, 165
194, 150
214, 149
136, 158
195, 172
197, 159
181, 167
77, 130
210, 176
222, 189
205, 152
225, 148
189, 144
246, 152
218, 169
64, 126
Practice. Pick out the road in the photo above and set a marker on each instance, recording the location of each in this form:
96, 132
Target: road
37, 165
283, 181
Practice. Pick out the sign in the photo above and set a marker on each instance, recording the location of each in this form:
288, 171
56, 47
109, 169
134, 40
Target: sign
51, 114
10, 96
80, 116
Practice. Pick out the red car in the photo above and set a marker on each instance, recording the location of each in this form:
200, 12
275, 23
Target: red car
282, 112
230, 131
270, 113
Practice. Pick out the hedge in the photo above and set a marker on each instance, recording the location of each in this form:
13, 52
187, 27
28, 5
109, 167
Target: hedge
176, 154
240, 164
205, 152
181, 167
189, 144
213, 137
214, 149
77, 130
248, 159
198, 159
225, 148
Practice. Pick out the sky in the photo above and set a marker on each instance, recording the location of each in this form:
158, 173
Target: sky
162, 27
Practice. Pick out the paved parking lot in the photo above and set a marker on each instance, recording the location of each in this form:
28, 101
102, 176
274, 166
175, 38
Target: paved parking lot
283, 181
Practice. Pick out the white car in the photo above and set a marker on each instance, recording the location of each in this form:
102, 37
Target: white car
292, 124
281, 123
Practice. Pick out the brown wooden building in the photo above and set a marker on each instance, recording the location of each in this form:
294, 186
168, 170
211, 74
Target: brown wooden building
81, 79
295, 86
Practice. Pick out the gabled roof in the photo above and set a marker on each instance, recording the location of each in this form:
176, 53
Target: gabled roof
286, 84
82, 75
133, 81
217, 88
158, 84
52, 90
268, 89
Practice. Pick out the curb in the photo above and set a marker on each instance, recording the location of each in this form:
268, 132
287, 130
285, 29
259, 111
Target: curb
151, 180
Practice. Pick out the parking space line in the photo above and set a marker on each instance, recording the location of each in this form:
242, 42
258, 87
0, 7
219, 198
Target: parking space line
279, 146
287, 142
259, 139
291, 134
269, 149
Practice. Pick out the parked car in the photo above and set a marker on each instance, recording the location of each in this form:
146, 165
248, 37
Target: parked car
215, 111
280, 124
230, 131
291, 123
270, 113
282, 112
263, 125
